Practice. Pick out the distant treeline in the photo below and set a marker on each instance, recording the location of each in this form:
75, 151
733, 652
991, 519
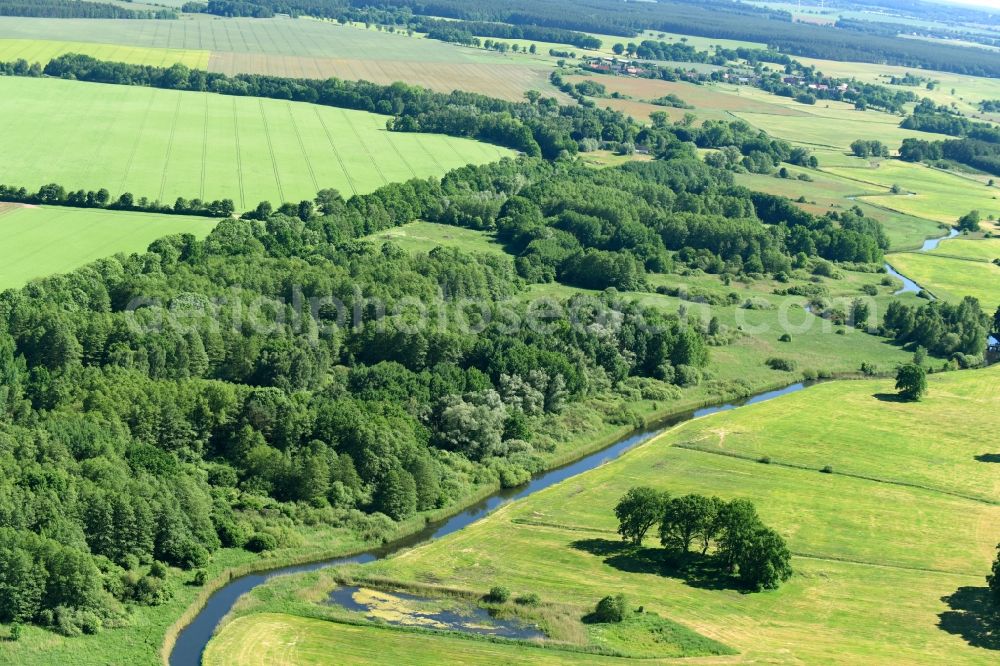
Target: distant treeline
715, 19
78, 9
508, 31
982, 155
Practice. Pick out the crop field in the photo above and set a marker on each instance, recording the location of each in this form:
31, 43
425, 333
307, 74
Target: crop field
164, 144
935, 195
283, 47
41, 241
506, 81
828, 192
904, 516
41, 51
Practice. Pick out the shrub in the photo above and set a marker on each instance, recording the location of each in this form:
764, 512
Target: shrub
530, 599
610, 609
827, 469
782, 364
498, 594
785, 337
868, 369
869, 289
260, 542
200, 576
15, 632
765, 460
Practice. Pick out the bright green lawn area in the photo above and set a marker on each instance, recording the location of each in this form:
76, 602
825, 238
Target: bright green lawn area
164, 144
952, 279
40, 241
980, 249
42, 50
875, 559
936, 195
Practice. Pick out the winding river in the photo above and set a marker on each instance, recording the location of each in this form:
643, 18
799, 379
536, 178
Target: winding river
909, 286
194, 637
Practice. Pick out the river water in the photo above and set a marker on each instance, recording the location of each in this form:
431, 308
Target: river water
194, 637
909, 286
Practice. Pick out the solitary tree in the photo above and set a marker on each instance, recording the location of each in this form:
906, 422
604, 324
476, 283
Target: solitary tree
638, 510
911, 381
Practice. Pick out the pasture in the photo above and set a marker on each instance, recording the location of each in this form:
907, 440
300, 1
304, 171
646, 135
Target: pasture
933, 194
164, 144
958, 268
909, 513
41, 241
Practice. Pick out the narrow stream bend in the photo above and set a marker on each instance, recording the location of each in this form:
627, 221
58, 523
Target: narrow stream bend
191, 641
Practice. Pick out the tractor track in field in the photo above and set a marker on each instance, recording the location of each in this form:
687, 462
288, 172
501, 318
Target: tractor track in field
270, 149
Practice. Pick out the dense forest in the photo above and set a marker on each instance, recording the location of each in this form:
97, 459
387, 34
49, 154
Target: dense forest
78, 9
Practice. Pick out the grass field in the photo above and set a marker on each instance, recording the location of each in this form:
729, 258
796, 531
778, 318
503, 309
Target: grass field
889, 559
163, 144
282, 47
937, 195
40, 241
957, 268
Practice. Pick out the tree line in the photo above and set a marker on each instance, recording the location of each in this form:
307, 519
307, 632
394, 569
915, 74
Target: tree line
76, 9
753, 553
982, 155
54, 194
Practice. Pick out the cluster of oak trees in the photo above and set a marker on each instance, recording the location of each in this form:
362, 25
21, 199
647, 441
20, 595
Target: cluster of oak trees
746, 548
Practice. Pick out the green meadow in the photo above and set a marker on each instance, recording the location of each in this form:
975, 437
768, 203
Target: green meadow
932, 194
164, 144
41, 241
957, 268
